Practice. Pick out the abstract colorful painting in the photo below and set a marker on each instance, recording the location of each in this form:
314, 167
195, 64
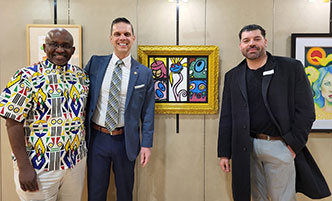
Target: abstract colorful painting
315, 52
185, 77
180, 79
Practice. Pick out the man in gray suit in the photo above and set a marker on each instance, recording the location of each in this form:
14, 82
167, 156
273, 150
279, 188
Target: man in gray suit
120, 107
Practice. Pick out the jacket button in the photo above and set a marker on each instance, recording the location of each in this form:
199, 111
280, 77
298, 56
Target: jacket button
244, 126
244, 148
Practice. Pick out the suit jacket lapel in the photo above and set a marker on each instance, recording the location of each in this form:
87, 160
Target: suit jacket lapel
102, 67
134, 71
268, 74
242, 80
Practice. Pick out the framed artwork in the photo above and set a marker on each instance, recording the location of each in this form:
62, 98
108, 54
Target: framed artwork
36, 38
315, 52
185, 77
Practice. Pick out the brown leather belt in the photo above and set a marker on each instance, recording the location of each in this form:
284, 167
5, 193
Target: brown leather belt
267, 137
116, 131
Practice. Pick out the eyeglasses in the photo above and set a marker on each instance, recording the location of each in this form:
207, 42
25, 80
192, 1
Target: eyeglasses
56, 45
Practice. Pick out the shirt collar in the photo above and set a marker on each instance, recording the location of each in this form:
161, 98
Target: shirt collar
125, 60
48, 64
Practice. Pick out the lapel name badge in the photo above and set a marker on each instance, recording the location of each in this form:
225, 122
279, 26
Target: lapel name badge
139, 86
268, 72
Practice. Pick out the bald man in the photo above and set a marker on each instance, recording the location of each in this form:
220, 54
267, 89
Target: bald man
44, 106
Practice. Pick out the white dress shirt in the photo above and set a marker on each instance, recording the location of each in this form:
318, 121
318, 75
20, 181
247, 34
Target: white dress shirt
100, 112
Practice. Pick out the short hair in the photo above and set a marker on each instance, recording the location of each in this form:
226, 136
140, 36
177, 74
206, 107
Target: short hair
124, 20
252, 27
50, 34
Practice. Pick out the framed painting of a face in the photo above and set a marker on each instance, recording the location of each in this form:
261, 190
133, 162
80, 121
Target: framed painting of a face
315, 52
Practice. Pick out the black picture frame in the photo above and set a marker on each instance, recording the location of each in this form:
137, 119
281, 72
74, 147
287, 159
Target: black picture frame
312, 49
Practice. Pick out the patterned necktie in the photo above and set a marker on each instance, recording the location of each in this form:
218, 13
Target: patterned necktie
113, 103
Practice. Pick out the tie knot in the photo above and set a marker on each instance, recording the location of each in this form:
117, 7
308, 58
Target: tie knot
119, 63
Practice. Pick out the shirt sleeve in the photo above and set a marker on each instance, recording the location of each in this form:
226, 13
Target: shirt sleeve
16, 98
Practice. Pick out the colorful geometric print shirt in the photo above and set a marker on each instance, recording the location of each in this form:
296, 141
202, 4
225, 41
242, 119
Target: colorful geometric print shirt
50, 100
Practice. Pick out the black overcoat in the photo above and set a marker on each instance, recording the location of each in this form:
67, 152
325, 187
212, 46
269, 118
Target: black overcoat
288, 99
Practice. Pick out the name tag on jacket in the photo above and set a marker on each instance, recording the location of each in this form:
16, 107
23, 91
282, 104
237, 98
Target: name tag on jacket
139, 86
268, 72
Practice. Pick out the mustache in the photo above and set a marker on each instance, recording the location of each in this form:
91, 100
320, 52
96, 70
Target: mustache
253, 47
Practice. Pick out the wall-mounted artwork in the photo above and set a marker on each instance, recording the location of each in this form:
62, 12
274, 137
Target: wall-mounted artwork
185, 77
36, 37
315, 52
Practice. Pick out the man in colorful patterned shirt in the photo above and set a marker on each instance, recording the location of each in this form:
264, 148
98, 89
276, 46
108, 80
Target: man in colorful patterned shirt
44, 106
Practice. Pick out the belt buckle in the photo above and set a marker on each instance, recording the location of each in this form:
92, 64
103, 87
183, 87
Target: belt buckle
268, 138
115, 130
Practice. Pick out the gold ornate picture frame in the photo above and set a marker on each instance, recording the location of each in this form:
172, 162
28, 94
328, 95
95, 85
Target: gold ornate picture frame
36, 36
185, 77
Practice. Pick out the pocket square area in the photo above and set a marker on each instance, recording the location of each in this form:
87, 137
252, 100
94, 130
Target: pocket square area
139, 86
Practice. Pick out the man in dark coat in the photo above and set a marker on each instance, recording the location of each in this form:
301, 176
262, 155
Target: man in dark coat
266, 116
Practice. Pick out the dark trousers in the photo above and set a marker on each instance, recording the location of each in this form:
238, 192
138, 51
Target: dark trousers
106, 151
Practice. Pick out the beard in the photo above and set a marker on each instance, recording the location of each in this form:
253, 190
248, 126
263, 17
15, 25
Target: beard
254, 55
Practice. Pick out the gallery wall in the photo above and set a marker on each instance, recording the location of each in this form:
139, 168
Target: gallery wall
184, 166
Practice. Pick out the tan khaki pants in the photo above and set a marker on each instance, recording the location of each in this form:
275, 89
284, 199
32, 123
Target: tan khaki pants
58, 185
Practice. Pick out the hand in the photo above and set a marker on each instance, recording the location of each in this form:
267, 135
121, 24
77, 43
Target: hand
28, 179
27, 175
292, 152
145, 156
224, 164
